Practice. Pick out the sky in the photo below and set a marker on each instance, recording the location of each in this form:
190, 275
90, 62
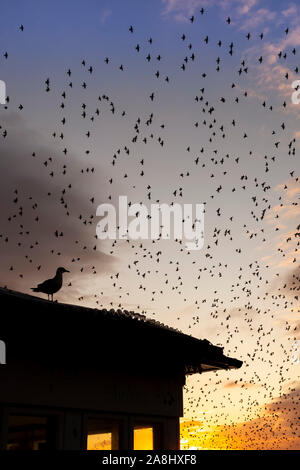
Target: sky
220, 130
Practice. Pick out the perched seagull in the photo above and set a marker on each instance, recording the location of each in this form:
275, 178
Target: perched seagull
51, 286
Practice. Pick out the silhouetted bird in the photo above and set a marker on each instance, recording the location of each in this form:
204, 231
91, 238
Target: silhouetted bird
51, 286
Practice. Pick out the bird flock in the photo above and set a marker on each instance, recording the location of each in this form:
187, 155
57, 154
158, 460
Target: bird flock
242, 289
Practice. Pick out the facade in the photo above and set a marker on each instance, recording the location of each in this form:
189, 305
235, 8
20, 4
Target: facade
82, 378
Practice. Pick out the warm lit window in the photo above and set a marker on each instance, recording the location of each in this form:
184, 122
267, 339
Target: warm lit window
143, 438
102, 434
31, 432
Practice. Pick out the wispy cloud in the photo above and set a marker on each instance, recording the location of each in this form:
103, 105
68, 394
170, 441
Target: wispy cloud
258, 18
276, 428
48, 208
242, 12
180, 10
237, 384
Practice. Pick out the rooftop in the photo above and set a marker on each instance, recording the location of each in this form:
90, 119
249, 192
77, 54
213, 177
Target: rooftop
77, 333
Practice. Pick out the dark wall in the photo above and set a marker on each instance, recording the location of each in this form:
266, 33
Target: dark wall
87, 388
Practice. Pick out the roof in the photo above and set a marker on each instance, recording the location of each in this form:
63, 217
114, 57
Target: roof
60, 331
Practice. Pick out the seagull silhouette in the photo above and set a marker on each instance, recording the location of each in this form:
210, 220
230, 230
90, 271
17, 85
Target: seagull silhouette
51, 286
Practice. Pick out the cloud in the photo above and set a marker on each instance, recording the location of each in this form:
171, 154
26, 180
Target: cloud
249, 15
292, 282
277, 428
285, 216
242, 12
290, 11
237, 384
246, 6
182, 9
37, 205
258, 18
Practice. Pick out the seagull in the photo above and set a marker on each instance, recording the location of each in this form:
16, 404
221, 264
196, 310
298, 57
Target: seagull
51, 286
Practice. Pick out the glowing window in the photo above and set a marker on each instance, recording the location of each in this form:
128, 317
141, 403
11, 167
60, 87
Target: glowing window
102, 435
143, 438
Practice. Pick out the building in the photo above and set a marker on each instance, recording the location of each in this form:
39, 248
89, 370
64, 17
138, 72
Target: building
78, 378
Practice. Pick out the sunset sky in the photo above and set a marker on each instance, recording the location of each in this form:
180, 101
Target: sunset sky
221, 130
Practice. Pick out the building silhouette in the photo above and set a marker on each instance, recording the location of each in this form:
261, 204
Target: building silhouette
78, 378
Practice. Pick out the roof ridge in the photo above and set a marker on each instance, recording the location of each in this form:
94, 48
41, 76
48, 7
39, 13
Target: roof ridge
125, 312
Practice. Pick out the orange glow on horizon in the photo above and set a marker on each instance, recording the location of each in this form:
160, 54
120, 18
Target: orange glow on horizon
268, 432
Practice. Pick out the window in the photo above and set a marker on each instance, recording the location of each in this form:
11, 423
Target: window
102, 434
143, 438
31, 432
148, 435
